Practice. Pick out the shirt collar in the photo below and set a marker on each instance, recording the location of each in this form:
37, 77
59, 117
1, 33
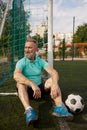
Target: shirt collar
36, 58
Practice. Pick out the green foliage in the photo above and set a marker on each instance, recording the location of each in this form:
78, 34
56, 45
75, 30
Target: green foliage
81, 34
39, 39
55, 54
2, 9
6, 34
28, 31
45, 39
68, 54
15, 28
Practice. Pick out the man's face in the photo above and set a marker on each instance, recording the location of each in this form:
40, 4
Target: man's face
30, 50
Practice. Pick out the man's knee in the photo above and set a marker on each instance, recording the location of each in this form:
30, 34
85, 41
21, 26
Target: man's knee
21, 86
48, 83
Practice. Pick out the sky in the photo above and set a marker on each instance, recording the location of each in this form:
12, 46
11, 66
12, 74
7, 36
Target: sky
63, 13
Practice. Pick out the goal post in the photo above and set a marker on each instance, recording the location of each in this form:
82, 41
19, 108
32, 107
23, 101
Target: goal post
4, 17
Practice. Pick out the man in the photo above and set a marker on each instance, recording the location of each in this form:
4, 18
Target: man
28, 77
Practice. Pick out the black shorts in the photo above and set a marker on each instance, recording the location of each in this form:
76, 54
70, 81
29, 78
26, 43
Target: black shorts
30, 91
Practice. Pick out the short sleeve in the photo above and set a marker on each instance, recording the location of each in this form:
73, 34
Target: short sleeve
20, 64
44, 63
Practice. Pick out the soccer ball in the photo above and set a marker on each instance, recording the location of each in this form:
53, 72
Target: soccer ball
75, 103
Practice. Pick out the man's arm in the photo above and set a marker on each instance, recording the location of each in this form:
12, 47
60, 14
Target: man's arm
21, 79
53, 73
55, 89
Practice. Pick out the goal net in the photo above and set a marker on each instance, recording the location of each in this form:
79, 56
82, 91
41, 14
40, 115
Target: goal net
15, 26
12, 38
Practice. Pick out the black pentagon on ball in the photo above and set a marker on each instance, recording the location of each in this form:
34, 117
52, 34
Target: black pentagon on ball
73, 101
82, 101
77, 110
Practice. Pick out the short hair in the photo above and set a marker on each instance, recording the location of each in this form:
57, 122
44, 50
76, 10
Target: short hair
31, 40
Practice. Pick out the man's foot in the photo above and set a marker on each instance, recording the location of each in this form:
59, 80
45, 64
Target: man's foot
30, 115
62, 112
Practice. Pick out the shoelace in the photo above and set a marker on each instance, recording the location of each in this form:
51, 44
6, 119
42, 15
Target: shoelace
29, 111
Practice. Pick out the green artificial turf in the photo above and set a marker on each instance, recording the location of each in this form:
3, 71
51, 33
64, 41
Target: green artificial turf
73, 79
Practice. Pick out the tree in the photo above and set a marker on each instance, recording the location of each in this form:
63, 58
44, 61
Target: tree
39, 39
2, 9
45, 38
12, 26
28, 30
81, 34
5, 37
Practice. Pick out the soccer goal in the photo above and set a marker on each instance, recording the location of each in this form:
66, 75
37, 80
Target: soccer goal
12, 38
16, 20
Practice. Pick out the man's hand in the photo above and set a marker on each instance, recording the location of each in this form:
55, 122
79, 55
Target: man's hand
54, 91
37, 91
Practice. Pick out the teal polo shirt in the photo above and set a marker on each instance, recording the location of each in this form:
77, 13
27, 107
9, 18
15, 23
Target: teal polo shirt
32, 69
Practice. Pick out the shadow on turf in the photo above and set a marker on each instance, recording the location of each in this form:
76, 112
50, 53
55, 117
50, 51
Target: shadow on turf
81, 118
45, 120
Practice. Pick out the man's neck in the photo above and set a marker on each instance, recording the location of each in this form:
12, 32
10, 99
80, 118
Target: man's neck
32, 58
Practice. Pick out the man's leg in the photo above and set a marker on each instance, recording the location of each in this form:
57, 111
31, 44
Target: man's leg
58, 99
59, 110
24, 97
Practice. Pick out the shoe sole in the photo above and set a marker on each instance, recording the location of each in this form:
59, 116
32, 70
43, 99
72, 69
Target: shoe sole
32, 121
65, 117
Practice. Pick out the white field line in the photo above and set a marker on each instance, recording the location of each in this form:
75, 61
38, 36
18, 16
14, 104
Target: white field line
7, 94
